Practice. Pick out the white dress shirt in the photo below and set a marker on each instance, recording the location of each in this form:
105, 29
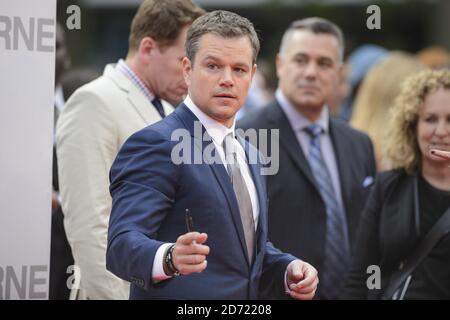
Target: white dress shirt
217, 132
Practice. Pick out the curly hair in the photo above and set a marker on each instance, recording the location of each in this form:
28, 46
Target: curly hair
376, 97
402, 149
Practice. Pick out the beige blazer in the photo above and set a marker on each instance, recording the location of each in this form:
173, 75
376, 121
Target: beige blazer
96, 121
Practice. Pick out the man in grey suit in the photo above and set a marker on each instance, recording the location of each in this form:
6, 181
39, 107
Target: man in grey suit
325, 167
101, 115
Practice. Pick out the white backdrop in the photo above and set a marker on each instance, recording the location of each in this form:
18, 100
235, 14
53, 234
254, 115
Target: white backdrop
27, 60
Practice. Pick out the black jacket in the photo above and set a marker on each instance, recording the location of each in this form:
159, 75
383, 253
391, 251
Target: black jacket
387, 236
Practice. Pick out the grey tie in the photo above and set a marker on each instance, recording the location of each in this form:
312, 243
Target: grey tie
241, 192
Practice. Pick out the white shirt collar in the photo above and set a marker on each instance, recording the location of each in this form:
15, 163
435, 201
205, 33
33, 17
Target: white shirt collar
297, 120
123, 68
215, 129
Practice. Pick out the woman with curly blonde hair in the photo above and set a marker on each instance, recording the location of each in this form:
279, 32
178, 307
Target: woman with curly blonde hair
407, 201
376, 97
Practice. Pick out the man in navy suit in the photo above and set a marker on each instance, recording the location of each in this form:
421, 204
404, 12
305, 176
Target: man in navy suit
325, 167
227, 255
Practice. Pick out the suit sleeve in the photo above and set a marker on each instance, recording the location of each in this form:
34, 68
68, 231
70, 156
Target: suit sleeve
143, 187
367, 250
272, 284
273, 274
86, 147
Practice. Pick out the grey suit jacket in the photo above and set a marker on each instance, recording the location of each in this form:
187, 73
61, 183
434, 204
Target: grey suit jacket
96, 121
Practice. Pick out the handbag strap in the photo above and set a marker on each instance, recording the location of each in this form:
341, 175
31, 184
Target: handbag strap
438, 231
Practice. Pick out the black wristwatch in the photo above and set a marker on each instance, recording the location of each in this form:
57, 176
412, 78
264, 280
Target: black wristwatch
169, 267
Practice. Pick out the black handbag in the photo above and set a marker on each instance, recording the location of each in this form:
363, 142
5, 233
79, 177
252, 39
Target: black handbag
403, 276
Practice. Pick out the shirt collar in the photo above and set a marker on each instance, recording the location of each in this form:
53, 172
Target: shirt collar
215, 129
134, 78
297, 120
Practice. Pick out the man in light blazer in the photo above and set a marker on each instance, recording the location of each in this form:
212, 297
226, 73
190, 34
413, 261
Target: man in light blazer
100, 116
325, 167
224, 253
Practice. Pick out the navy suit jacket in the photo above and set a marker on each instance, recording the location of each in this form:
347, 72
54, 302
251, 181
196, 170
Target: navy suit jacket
150, 194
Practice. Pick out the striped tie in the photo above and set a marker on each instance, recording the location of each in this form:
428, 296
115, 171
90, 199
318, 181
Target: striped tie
337, 254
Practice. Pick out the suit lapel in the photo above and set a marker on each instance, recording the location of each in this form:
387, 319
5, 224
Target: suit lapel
225, 183
137, 99
288, 141
142, 105
344, 164
218, 170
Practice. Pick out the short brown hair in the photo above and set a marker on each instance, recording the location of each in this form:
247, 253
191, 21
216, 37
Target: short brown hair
224, 24
162, 20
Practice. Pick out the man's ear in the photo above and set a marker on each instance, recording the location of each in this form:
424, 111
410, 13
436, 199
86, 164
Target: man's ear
279, 64
187, 68
147, 47
254, 68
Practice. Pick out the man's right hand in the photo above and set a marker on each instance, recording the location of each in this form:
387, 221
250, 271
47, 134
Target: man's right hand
189, 254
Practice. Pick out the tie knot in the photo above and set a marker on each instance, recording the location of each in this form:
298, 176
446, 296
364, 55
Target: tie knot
228, 145
156, 100
314, 130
